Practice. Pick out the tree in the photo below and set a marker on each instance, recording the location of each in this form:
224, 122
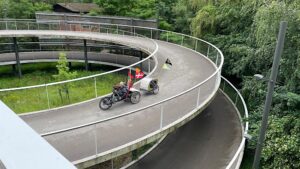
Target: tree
22, 9
115, 7
63, 74
205, 21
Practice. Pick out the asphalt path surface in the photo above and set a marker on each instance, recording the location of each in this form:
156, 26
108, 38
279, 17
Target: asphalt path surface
189, 68
209, 141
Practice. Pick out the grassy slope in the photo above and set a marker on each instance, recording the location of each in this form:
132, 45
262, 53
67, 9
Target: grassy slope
36, 99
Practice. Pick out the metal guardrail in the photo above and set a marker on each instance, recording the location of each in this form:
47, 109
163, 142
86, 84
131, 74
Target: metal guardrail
238, 100
198, 45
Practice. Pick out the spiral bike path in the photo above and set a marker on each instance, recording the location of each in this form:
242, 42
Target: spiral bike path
189, 68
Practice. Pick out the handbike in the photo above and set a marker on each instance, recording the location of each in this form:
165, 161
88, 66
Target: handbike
132, 94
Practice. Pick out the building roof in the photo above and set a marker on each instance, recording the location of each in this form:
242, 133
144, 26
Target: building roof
79, 7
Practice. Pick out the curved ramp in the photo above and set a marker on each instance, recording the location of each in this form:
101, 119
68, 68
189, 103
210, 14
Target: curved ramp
189, 69
208, 141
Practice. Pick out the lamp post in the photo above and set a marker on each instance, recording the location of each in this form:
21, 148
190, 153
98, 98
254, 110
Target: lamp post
271, 84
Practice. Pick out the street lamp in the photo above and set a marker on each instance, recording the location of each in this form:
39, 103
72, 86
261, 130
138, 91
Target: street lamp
258, 77
271, 84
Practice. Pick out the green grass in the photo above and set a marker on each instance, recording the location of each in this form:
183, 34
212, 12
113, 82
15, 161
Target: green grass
35, 99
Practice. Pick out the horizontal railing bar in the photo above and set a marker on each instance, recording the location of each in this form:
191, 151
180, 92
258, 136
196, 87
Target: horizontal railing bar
70, 43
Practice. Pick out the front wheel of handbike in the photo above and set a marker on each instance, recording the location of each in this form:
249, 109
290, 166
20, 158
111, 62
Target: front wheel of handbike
105, 103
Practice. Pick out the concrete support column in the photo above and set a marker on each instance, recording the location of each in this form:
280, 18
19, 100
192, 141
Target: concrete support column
141, 58
14, 70
16, 49
85, 55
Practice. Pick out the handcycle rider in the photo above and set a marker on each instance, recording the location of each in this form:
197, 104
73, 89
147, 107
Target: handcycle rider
121, 90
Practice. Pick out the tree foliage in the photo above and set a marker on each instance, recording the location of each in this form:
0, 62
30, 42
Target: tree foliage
63, 69
64, 74
22, 9
246, 31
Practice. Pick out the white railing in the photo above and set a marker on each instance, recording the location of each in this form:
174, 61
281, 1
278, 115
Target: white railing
238, 100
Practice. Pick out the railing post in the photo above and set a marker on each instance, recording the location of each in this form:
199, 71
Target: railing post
217, 59
198, 96
133, 31
6, 25
151, 34
224, 86
47, 93
95, 82
196, 45
117, 29
182, 39
216, 80
236, 98
16, 25
27, 25
207, 51
161, 116
149, 66
96, 141
167, 36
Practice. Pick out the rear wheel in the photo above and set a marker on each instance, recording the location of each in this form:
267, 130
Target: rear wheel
155, 89
135, 97
105, 103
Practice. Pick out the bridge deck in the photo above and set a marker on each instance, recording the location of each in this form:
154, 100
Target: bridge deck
189, 68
